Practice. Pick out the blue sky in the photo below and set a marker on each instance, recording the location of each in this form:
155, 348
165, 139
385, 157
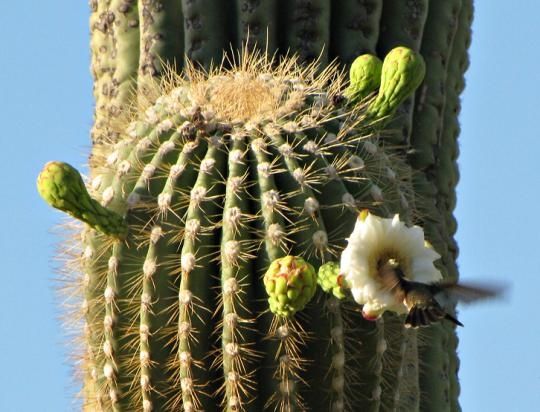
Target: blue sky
46, 113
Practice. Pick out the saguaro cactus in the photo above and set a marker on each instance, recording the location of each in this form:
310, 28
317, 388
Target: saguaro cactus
218, 188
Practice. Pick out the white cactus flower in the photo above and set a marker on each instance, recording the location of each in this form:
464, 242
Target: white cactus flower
372, 243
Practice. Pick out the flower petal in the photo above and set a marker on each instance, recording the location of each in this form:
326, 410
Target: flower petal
374, 238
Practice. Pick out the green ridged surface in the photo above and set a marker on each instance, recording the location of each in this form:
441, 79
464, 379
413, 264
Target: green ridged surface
161, 39
408, 391
355, 28
93, 313
447, 174
441, 26
257, 24
437, 352
402, 24
126, 45
102, 67
365, 358
305, 28
433, 375
145, 173
202, 198
198, 278
394, 362
205, 30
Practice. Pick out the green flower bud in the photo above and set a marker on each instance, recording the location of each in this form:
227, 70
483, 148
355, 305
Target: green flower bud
290, 283
403, 70
330, 279
364, 77
62, 187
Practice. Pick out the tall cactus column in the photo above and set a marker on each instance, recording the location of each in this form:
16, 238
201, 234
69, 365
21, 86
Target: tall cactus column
446, 172
430, 155
215, 196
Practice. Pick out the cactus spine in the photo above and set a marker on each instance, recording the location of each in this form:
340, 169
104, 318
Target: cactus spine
216, 175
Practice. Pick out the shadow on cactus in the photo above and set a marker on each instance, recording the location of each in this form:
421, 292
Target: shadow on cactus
228, 175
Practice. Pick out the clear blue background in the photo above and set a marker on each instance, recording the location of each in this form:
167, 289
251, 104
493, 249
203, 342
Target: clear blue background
46, 113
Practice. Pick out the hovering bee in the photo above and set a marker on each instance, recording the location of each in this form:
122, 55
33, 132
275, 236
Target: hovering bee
421, 299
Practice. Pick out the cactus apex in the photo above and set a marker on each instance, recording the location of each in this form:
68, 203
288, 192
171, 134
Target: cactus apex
62, 187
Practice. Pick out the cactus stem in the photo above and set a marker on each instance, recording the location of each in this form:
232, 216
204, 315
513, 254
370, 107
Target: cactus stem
393, 360
408, 395
193, 285
110, 346
236, 358
218, 175
339, 357
291, 338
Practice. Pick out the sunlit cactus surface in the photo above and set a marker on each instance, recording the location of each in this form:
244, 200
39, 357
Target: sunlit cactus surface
201, 260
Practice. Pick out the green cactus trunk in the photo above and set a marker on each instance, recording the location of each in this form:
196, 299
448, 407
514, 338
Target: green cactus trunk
202, 180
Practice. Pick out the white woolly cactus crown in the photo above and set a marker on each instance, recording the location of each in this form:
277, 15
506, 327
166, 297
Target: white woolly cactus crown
373, 242
247, 93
